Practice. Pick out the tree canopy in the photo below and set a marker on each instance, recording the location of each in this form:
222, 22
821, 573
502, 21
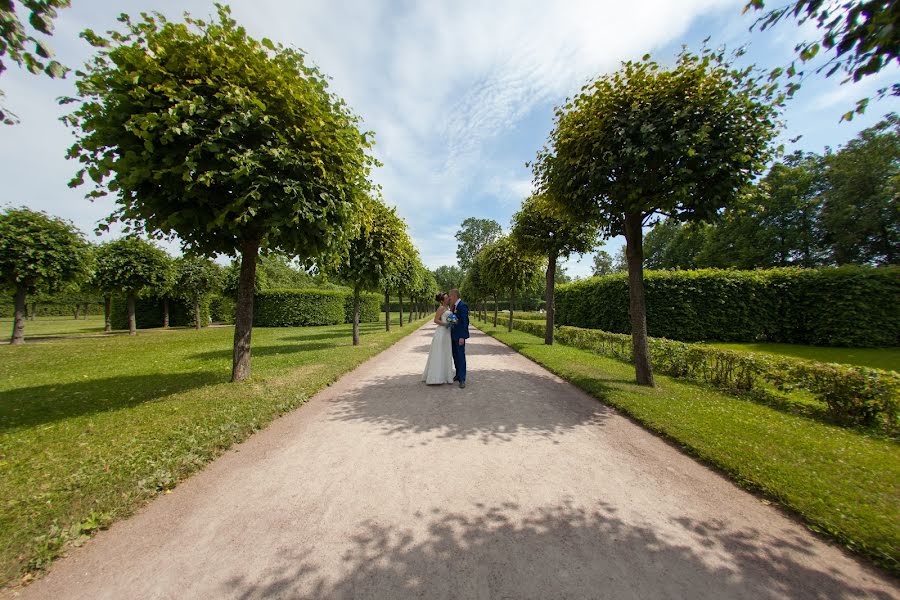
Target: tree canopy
231, 143
449, 277
506, 266
37, 251
473, 235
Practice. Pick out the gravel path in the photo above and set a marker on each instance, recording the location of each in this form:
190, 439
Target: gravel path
519, 486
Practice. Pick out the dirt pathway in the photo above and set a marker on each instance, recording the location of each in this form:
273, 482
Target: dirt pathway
519, 486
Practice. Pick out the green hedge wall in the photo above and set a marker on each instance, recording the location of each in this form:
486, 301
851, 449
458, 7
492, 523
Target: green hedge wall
51, 309
845, 306
148, 313
369, 308
299, 308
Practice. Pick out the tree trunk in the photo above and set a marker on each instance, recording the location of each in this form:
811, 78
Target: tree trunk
387, 309
132, 325
76, 311
18, 332
496, 303
107, 314
634, 252
33, 310
356, 316
243, 322
85, 309
165, 313
512, 299
400, 298
549, 304
197, 314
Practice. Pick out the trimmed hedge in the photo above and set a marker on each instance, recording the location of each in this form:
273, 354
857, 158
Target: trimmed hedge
51, 309
844, 306
369, 307
299, 308
148, 313
854, 395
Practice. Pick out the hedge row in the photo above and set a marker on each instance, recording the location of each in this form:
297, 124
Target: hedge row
148, 313
52, 309
845, 306
854, 395
300, 308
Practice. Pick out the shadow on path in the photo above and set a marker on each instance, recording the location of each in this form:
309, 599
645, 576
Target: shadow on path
560, 551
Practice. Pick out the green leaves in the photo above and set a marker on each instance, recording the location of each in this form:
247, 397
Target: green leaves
132, 265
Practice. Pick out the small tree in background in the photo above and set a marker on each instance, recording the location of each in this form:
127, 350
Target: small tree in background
373, 248
130, 266
449, 277
37, 251
196, 278
647, 140
233, 144
542, 227
508, 267
474, 288
473, 235
410, 281
603, 264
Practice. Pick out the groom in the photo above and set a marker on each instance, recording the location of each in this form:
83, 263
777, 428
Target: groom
459, 333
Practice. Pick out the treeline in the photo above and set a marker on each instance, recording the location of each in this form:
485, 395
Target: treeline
810, 210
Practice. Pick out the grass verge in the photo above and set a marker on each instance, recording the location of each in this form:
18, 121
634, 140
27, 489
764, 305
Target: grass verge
842, 483
875, 358
91, 429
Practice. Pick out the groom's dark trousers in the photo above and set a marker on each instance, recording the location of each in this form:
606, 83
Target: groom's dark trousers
460, 331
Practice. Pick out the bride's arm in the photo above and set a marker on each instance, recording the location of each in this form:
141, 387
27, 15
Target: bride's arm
437, 315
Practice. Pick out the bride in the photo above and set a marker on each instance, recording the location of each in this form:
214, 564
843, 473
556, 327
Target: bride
439, 368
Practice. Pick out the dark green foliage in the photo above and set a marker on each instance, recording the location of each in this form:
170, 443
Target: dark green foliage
449, 277
846, 306
298, 308
854, 395
221, 309
369, 307
473, 235
148, 312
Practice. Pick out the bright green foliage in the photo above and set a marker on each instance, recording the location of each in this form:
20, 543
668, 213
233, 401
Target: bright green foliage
131, 265
861, 212
39, 251
17, 39
473, 235
369, 307
274, 270
299, 308
196, 277
848, 306
860, 36
543, 227
841, 481
506, 267
449, 277
646, 139
204, 132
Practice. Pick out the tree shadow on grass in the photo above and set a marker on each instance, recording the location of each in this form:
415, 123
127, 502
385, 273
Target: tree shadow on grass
261, 350
37, 405
558, 551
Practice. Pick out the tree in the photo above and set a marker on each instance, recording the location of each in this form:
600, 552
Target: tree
274, 270
16, 39
232, 144
543, 228
646, 140
130, 266
37, 251
603, 264
561, 275
475, 288
196, 277
674, 245
860, 213
473, 235
508, 267
374, 246
449, 277
860, 36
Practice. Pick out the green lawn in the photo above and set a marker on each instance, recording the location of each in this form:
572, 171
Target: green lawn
90, 429
54, 326
877, 358
843, 483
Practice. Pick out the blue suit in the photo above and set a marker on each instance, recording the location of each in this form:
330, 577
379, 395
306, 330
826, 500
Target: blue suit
460, 331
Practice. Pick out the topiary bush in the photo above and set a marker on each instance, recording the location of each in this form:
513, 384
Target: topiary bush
845, 306
854, 395
299, 308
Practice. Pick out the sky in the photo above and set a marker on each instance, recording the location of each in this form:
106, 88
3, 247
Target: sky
460, 94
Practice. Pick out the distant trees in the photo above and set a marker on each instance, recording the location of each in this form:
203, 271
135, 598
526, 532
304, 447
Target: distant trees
449, 277
196, 278
231, 143
507, 267
648, 140
130, 266
603, 264
473, 235
37, 251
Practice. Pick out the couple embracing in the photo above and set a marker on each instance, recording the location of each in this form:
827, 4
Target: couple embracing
447, 359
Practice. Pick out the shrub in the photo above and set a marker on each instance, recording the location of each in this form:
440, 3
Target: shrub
854, 395
221, 309
148, 312
846, 306
299, 308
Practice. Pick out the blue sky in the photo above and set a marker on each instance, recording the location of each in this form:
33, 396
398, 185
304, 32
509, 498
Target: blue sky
460, 94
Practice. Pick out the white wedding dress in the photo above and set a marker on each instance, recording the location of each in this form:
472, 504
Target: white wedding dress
439, 368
